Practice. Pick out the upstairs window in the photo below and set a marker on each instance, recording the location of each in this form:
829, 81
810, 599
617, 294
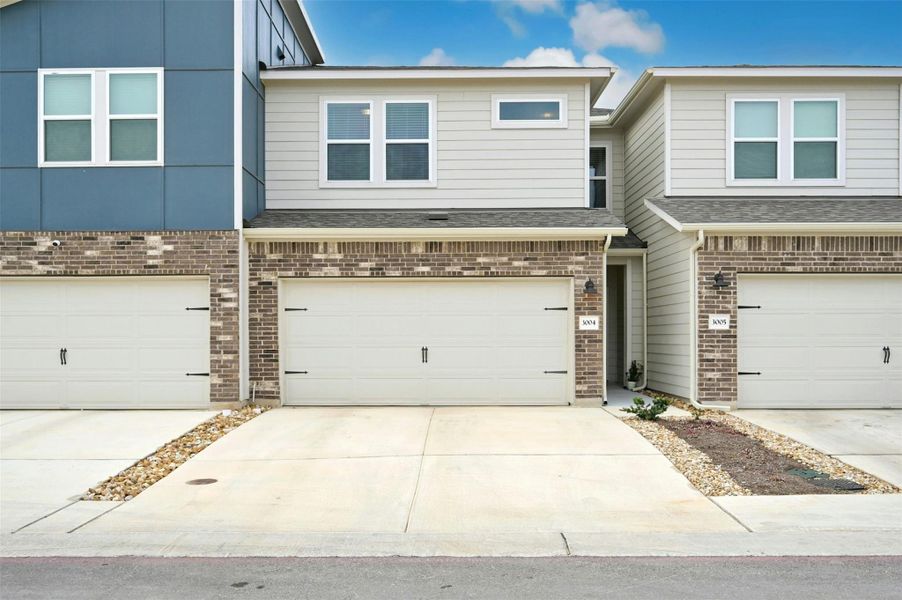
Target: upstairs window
756, 139
67, 118
349, 140
599, 182
815, 139
790, 140
528, 112
101, 117
377, 142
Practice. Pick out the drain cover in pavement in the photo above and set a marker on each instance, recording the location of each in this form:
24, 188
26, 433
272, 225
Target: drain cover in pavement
838, 484
808, 474
201, 481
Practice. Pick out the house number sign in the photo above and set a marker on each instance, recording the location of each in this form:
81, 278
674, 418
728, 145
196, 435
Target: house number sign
588, 322
718, 321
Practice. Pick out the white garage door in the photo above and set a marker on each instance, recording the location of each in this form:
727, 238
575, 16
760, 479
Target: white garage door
104, 343
425, 342
818, 341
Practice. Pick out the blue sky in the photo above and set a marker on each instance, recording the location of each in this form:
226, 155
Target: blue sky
629, 35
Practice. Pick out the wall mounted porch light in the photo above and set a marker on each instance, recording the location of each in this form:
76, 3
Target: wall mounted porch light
590, 287
720, 281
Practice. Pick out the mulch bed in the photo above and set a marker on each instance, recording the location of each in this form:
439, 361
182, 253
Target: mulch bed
753, 466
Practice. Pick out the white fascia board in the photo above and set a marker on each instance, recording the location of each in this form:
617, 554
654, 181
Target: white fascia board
430, 234
307, 74
807, 72
303, 29
858, 227
654, 208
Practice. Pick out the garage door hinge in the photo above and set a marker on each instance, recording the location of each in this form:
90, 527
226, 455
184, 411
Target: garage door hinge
295, 372
197, 308
741, 306
749, 373
197, 374
295, 309
555, 372
555, 308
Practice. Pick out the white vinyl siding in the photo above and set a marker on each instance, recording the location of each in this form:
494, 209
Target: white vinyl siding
614, 137
667, 369
476, 166
700, 127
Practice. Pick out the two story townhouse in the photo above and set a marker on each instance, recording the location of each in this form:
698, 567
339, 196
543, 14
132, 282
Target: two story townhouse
769, 199
131, 151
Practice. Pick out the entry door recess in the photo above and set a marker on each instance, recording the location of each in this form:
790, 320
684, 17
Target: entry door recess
426, 342
820, 341
104, 343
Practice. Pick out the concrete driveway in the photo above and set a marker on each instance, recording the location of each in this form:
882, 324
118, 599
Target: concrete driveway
49, 458
423, 470
868, 439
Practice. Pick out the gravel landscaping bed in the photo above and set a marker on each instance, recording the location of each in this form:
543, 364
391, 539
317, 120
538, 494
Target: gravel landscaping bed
724, 450
132, 481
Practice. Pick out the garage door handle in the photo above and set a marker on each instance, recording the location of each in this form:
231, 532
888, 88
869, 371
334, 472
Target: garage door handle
555, 372
63, 352
197, 374
197, 308
749, 373
295, 372
886, 354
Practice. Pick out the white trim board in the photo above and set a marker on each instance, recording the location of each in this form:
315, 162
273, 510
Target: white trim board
434, 234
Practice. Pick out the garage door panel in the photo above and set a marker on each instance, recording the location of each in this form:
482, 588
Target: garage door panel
475, 331
130, 342
817, 341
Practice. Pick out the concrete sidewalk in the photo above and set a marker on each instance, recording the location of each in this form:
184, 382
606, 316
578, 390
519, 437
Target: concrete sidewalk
49, 458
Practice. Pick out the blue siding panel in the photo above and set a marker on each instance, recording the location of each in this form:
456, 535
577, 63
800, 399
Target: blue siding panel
198, 118
249, 38
19, 119
20, 199
19, 36
199, 198
249, 196
249, 129
186, 48
101, 33
261, 132
112, 198
261, 198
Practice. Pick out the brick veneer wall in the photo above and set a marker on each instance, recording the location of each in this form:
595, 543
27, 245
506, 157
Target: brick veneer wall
210, 253
733, 255
269, 261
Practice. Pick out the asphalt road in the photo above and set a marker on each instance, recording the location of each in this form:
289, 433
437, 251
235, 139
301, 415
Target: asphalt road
494, 578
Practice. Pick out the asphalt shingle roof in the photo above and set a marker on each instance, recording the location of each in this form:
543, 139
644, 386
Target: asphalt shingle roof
630, 241
437, 219
767, 210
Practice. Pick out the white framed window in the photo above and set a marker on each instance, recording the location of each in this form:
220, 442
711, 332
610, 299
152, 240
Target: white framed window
790, 140
755, 139
348, 141
816, 143
529, 112
100, 117
599, 175
377, 141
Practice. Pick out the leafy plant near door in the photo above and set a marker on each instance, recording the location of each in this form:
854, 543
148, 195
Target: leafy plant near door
633, 375
646, 411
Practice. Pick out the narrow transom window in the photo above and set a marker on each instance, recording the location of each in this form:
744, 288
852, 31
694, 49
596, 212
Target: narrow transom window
756, 139
598, 177
407, 141
815, 139
67, 117
134, 117
349, 141
528, 112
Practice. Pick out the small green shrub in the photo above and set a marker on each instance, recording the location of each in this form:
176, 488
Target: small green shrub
648, 412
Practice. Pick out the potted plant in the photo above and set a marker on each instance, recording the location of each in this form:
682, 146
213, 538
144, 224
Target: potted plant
633, 375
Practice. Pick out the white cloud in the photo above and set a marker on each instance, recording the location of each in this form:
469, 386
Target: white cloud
602, 25
436, 58
563, 57
507, 11
545, 57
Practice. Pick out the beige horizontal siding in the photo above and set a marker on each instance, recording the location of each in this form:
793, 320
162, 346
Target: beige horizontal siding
699, 135
477, 166
668, 254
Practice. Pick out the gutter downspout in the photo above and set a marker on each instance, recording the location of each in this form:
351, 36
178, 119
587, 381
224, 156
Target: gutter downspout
604, 318
644, 321
693, 333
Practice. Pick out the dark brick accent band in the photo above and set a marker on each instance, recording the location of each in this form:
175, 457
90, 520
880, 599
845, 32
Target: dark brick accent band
734, 255
270, 261
144, 253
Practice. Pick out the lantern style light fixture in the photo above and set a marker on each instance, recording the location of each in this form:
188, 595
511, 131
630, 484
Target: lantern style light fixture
720, 281
590, 287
